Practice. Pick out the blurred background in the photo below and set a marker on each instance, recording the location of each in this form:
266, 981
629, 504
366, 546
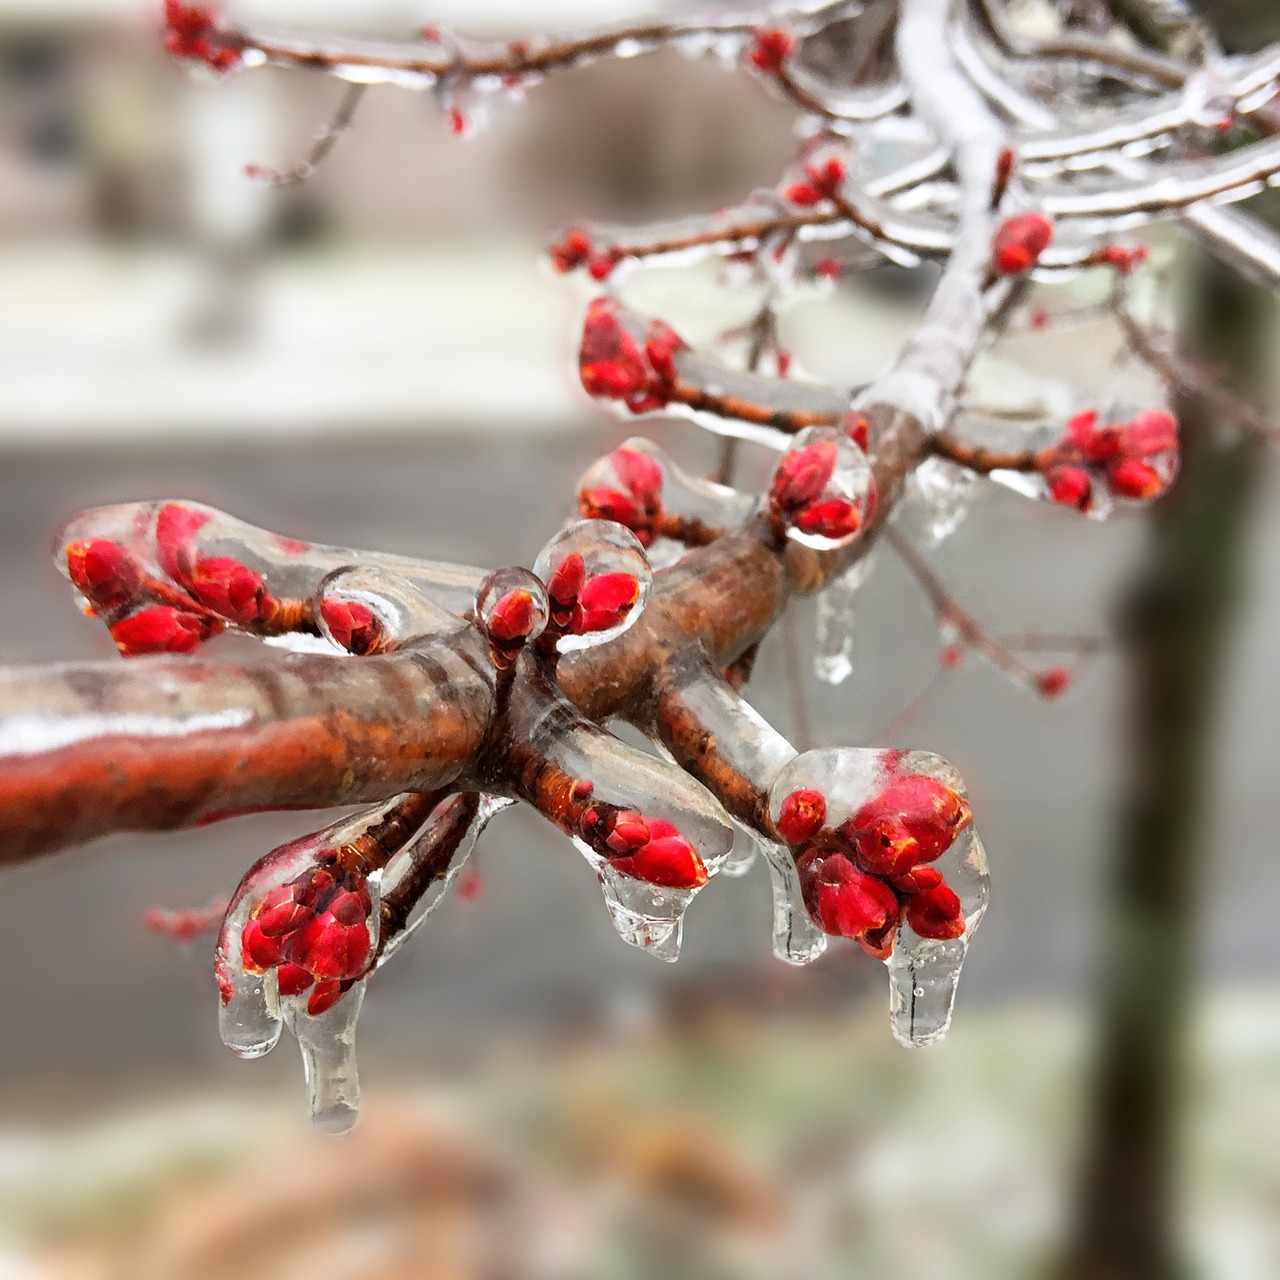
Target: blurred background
380, 358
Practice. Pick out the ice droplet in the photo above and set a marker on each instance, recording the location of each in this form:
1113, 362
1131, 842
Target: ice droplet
796, 939
247, 1026
643, 915
834, 623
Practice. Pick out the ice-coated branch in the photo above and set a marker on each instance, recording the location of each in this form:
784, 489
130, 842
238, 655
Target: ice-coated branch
440, 694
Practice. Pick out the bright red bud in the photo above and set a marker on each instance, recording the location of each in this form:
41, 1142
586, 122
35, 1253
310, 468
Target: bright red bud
161, 629
292, 979
1150, 433
336, 943
802, 816
662, 343
353, 625
610, 504
834, 518
604, 602
103, 572
231, 589
640, 473
572, 251
1020, 241
844, 901
513, 618
1053, 682
668, 860
1070, 487
566, 581
936, 913
176, 529
914, 819
771, 47
325, 996
1136, 480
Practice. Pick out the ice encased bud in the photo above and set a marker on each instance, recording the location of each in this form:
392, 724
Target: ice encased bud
366, 609
597, 579
896, 820
822, 493
512, 607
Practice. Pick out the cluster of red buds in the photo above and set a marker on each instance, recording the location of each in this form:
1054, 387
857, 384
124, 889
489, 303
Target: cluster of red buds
1121, 258
822, 182
184, 925
353, 625
802, 495
1019, 242
191, 33
576, 250
581, 605
771, 49
649, 849
861, 879
637, 504
613, 366
314, 932
1134, 460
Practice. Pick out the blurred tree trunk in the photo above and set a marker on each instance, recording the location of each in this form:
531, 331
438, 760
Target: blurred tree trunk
1175, 634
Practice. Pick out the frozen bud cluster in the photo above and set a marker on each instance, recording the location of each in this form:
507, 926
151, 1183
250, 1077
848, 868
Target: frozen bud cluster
616, 361
597, 580
822, 493
512, 608
191, 33
1134, 461
887, 856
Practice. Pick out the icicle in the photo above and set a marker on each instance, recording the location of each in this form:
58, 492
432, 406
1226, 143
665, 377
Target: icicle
742, 857
834, 623
643, 915
328, 1044
885, 854
796, 939
938, 496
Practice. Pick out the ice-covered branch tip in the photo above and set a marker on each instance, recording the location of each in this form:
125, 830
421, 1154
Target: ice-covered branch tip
439, 694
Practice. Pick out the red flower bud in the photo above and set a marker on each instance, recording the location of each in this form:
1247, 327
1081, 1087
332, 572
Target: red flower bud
802, 816
857, 428
566, 582
325, 996
285, 909
1054, 681
604, 602
770, 49
601, 265
1121, 258
353, 625
1150, 433
918, 879
844, 901
802, 475
661, 345
914, 819
191, 33
103, 572
640, 473
1020, 241
231, 589
513, 618
804, 194
627, 832
336, 944
834, 518
828, 268
1071, 487
161, 629
936, 913
1136, 480
258, 951
668, 860
610, 362
610, 504
176, 529
292, 979
572, 251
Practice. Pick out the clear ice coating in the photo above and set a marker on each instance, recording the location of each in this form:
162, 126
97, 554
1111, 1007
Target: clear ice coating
393, 609
796, 938
834, 617
639, 485
937, 499
887, 855
742, 857
512, 607
299, 937
187, 556
597, 578
822, 492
